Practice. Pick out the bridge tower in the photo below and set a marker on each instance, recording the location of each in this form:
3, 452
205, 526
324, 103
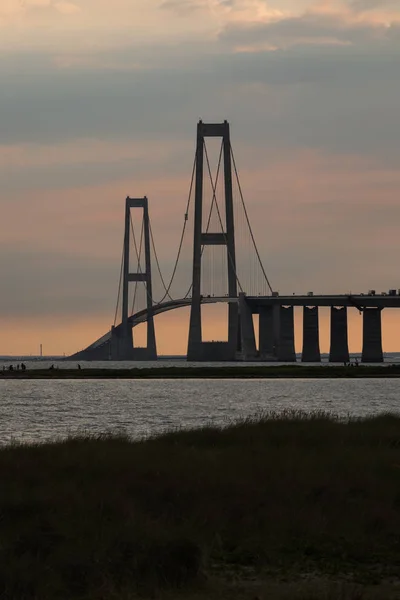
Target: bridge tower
122, 347
197, 349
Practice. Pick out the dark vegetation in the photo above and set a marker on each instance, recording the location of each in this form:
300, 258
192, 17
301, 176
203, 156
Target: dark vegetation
229, 372
284, 506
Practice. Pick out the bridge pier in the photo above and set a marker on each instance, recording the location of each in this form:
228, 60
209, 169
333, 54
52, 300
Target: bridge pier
266, 334
372, 336
269, 332
122, 348
286, 349
121, 343
339, 351
239, 336
248, 340
311, 351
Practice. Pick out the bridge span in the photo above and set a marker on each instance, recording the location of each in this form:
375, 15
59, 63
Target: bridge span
276, 327
244, 286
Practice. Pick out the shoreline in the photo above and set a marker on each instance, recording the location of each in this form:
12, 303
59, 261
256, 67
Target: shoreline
239, 372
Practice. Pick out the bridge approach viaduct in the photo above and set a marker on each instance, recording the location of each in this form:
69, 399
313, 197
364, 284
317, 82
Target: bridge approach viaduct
276, 326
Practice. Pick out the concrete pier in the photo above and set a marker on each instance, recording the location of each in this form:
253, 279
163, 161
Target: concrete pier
121, 343
239, 336
311, 351
248, 340
372, 336
286, 350
267, 341
339, 336
122, 348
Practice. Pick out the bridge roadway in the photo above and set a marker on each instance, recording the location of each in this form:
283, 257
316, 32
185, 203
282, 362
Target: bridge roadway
349, 300
276, 334
276, 326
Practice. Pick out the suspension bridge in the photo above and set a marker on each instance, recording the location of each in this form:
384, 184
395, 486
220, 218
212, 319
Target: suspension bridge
226, 267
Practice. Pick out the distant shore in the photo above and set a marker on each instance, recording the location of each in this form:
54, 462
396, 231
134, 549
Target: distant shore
229, 372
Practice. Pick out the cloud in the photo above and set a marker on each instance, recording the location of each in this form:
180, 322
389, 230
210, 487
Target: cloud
66, 8
311, 28
228, 9
85, 163
366, 5
302, 96
185, 7
22, 9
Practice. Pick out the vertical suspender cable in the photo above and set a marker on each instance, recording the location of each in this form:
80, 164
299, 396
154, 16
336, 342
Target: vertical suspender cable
248, 222
220, 220
211, 209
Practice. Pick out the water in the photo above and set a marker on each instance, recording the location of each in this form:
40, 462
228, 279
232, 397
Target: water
37, 410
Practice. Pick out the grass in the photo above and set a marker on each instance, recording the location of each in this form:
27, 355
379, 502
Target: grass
226, 372
283, 506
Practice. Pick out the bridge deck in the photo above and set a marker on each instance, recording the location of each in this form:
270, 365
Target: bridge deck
365, 301
256, 302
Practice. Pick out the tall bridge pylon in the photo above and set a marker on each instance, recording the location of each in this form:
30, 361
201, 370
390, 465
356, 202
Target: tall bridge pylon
122, 346
197, 349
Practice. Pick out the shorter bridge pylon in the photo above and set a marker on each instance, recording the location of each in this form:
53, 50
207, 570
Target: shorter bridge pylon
121, 343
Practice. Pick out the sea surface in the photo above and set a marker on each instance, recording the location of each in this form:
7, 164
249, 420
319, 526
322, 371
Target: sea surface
40, 410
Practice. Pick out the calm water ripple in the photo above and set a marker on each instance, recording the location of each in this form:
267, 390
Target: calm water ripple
36, 410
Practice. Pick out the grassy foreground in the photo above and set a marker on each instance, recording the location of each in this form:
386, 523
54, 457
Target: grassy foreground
285, 506
239, 371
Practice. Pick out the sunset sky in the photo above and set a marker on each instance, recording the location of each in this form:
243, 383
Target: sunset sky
99, 99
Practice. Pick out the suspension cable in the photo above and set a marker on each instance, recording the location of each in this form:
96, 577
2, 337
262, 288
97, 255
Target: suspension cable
168, 288
248, 222
220, 219
158, 264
